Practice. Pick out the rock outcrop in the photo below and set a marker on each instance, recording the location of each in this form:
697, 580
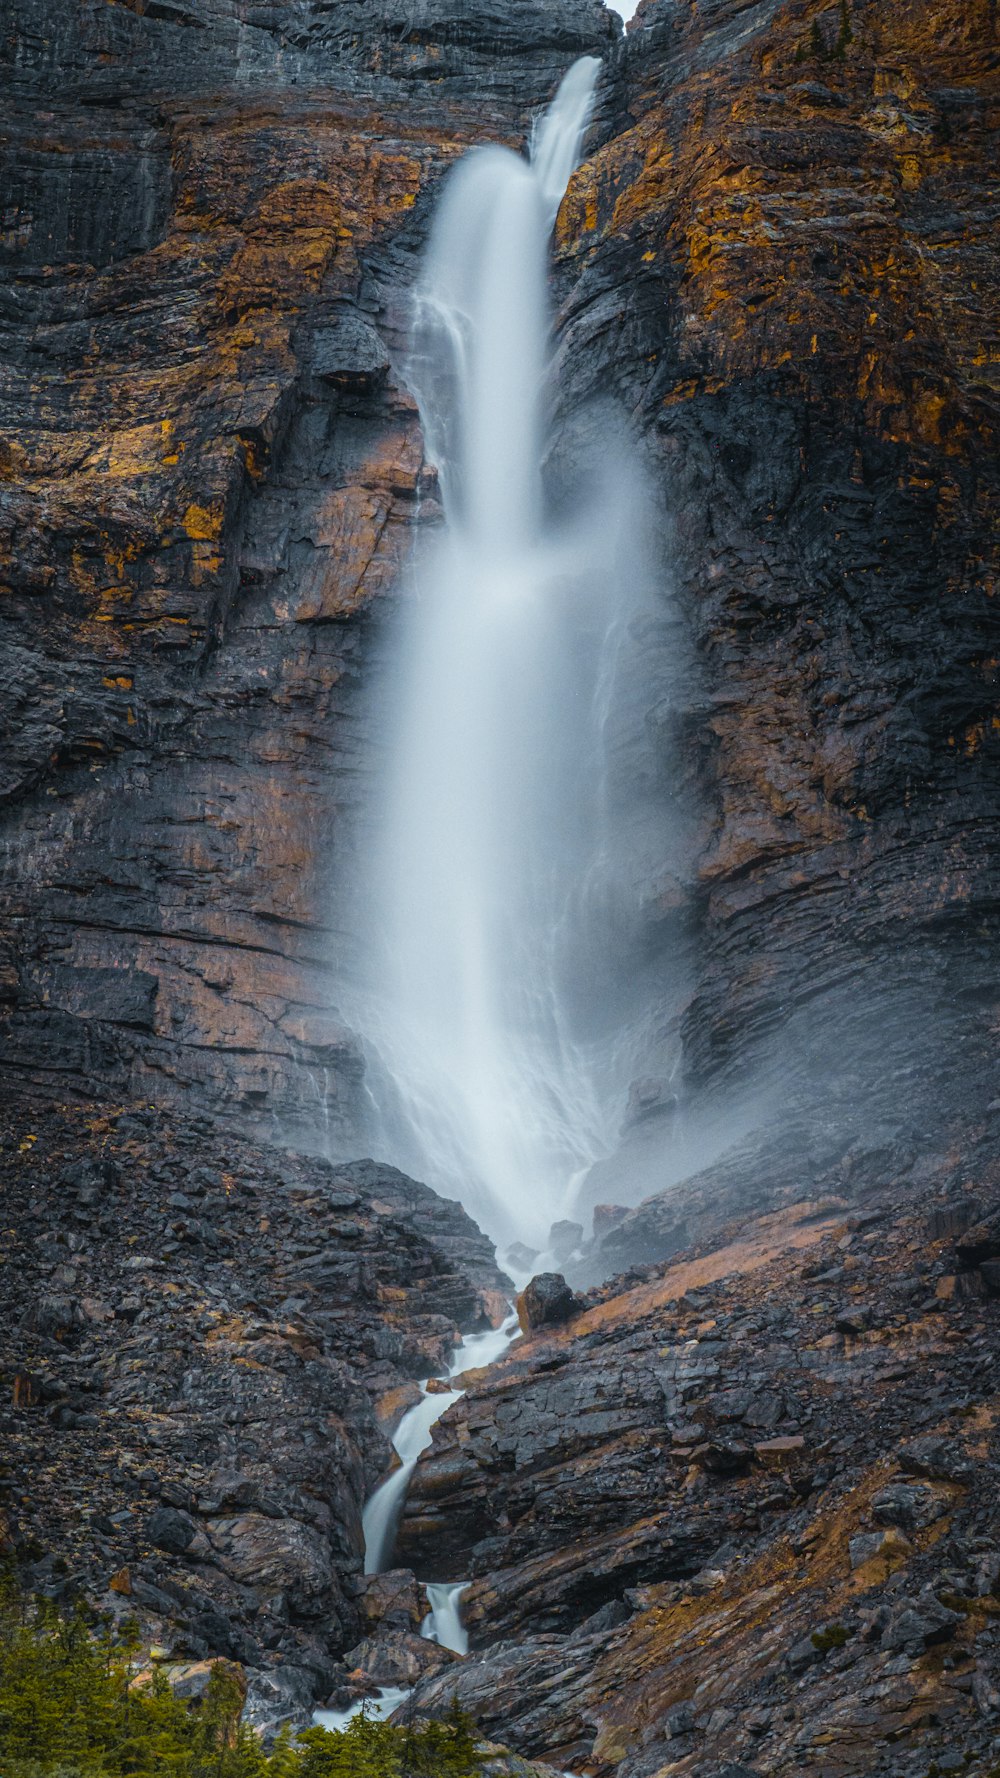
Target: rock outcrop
739, 1514
203, 1349
780, 263
777, 261
207, 474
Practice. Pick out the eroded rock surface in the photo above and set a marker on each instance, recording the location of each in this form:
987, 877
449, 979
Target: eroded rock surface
207, 474
202, 1351
740, 1513
780, 262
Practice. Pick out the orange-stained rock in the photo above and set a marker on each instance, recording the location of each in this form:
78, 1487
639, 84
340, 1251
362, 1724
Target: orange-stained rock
207, 477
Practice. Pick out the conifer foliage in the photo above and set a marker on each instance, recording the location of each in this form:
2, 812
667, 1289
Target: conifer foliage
70, 1707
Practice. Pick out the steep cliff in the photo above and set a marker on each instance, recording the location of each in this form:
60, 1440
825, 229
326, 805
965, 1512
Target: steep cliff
207, 473
738, 1515
781, 263
778, 263
741, 1508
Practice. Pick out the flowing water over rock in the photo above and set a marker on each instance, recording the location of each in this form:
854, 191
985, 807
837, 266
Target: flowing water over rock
504, 882
443, 1623
413, 1435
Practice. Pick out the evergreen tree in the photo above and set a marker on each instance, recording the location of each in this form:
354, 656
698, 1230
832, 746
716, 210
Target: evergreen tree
71, 1707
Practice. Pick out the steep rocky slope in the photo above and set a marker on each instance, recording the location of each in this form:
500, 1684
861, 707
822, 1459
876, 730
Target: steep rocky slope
741, 1508
739, 1513
778, 262
782, 265
202, 1349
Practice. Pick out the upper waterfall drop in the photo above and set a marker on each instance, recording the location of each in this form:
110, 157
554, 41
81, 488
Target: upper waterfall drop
558, 136
492, 908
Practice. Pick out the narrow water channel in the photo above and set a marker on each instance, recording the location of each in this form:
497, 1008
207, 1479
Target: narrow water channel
380, 1521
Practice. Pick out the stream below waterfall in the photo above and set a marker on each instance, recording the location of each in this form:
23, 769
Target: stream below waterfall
443, 1622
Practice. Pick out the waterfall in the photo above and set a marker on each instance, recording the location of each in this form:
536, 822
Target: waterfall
494, 906
443, 1622
413, 1436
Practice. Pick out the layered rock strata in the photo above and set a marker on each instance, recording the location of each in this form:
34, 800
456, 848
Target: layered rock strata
738, 1514
207, 473
780, 264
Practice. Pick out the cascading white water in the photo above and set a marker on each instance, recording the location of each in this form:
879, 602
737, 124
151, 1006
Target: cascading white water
494, 901
413, 1435
443, 1622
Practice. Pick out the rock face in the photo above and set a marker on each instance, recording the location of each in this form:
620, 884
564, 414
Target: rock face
202, 1350
739, 1515
207, 473
777, 263
776, 260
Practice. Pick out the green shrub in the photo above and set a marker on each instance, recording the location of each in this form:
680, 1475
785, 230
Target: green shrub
834, 1636
67, 1711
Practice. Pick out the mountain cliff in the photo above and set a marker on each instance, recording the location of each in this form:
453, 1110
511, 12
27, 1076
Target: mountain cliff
737, 1512
207, 474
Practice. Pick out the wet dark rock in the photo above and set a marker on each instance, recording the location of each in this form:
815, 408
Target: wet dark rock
911, 1508
649, 1098
607, 1217
852, 1321
198, 1444
785, 1598
979, 1243
59, 1318
253, 520
918, 1624
802, 1655
989, 1271
868, 1546
393, 1599
725, 1457
564, 1238
778, 261
519, 1256
277, 1696
396, 1657
547, 1301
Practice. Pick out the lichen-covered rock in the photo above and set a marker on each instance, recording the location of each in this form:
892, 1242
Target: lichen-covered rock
654, 1587
208, 473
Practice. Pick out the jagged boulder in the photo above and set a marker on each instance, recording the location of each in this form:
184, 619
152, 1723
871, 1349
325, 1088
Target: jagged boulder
547, 1301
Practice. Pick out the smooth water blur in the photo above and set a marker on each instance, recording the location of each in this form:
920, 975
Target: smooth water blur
380, 1518
499, 893
379, 1708
443, 1623
414, 1434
